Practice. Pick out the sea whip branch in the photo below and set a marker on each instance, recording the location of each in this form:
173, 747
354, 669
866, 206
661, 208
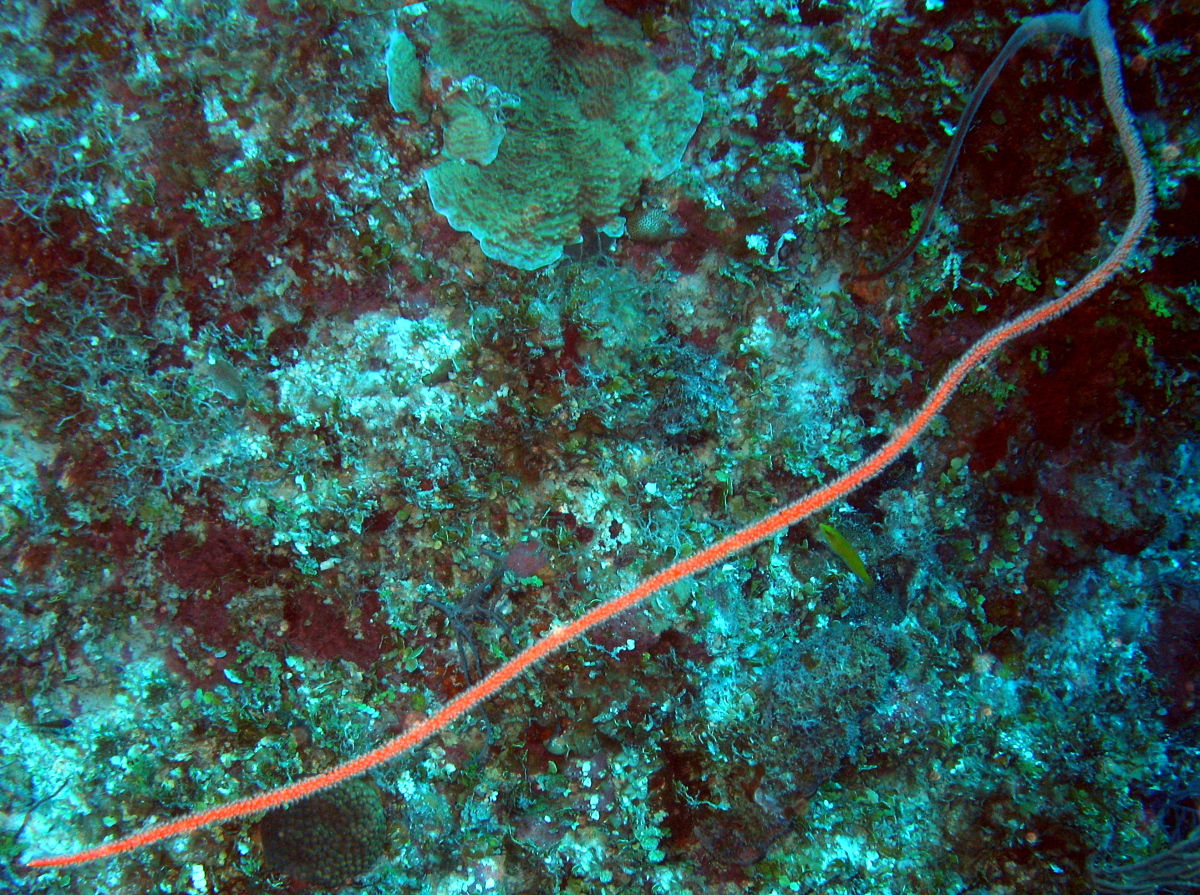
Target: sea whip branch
1092, 22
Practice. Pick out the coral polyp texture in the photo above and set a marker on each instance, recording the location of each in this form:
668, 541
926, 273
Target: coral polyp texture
591, 116
327, 840
287, 463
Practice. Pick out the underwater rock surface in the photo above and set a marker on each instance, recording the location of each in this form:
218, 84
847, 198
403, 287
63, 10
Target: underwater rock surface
287, 460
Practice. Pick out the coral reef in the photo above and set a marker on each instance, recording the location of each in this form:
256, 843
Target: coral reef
263, 412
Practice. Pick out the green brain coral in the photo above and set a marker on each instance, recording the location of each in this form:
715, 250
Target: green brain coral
588, 117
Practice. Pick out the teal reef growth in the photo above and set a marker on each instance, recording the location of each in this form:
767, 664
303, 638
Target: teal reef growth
554, 116
287, 462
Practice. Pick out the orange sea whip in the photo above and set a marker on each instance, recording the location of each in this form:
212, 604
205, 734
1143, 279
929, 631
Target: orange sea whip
1091, 21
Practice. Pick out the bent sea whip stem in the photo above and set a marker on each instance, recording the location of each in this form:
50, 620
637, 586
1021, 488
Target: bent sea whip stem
1092, 22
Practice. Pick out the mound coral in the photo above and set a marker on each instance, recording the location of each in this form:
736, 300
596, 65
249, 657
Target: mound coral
589, 117
329, 839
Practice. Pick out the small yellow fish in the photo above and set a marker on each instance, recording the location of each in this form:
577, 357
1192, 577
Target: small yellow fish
843, 548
